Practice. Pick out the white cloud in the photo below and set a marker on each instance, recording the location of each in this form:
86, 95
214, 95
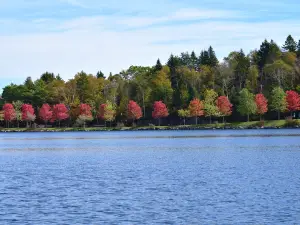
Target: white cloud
104, 42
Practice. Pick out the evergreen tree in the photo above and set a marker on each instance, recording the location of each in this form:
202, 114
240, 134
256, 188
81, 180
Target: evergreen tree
194, 60
267, 54
29, 83
290, 44
174, 63
185, 59
47, 77
58, 77
213, 61
204, 58
158, 65
241, 70
298, 49
100, 74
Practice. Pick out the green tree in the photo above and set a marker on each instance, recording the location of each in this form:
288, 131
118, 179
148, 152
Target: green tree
247, 105
242, 69
298, 49
210, 108
279, 73
278, 101
161, 86
100, 74
252, 79
48, 77
158, 65
290, 44
18, 108
213, 61
183, 113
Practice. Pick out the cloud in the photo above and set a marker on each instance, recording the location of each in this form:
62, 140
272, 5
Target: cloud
113, 41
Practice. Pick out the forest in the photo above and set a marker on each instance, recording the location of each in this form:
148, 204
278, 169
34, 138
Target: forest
190, 88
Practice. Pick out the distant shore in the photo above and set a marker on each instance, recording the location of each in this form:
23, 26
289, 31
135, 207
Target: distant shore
272, 124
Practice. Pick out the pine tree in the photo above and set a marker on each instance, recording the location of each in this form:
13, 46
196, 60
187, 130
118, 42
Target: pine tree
174, 63
213, 61
204, 58
290, 44
194, 60
158, 65
100, 74
298, 49
29, 83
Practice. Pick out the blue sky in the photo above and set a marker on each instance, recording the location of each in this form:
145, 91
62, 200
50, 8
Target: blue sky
67, 36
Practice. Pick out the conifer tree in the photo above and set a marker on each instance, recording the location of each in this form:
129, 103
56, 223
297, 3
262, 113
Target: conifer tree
213, 61
290, 44
158, 65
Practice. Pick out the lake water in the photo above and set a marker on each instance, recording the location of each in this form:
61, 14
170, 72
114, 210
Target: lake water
151, 177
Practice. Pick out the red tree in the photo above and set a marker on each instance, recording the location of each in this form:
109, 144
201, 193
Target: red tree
9, 112
85, 110
27, 113
85, 113
45, 113
134, 111
196, 108
224, 106
293, 101
60, 112
261, 104
101, 111
159, 110
107, 112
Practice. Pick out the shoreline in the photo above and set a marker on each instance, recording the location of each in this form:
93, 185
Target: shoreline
276, 124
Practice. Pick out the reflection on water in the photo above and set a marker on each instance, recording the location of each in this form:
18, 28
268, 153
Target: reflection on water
150, 177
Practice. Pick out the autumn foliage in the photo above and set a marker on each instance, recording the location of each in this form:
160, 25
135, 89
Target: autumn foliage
224, 106
45, 113
196, 108
261, 104
107, 112
85, 110
60, 112
9, 112
159, 110
293, 101
27, 112
134, 111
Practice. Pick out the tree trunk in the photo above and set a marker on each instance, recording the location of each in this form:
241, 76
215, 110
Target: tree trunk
224, 119
248, 117
159, 122
196, 120
184, 121
278, 114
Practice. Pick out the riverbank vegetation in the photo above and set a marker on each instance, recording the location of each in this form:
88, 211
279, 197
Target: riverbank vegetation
188, 89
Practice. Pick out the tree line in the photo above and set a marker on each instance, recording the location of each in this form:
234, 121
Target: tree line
263, 84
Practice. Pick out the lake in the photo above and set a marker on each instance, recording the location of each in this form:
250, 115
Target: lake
151, 177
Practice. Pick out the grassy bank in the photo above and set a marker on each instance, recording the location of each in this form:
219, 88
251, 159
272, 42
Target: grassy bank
275, 124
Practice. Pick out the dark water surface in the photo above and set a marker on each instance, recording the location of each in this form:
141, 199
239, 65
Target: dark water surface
151, 177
